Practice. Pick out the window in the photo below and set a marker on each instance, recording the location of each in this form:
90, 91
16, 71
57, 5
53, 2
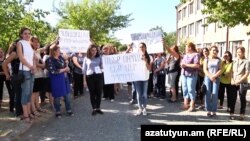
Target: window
207, 45
198, 46
179, 15
198, 27
184, 31
233, 47
184, 12
198, 6
222, 48
191, 29
179, 33
191, 8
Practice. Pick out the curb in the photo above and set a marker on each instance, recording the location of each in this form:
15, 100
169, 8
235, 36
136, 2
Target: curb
23, 127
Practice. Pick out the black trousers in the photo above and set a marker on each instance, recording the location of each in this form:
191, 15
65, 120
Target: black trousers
18, 94
177, 84
222, 93
150, 84
200, 95
109, 91
10, 91
95, 85
78, 83
233, 97
160, 85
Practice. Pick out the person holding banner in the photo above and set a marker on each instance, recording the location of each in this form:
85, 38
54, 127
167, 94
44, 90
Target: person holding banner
142, 86
92, 65
108, 89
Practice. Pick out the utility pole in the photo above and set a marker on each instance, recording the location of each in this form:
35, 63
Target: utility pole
227, 39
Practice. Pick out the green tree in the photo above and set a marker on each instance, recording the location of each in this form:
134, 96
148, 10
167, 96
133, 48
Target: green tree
10, 14
13, 16
228, 12
100, 17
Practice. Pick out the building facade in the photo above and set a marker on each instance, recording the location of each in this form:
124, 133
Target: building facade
190, 26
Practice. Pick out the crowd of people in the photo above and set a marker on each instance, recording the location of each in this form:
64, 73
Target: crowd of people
48, 72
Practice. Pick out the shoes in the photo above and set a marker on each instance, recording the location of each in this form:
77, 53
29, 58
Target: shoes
58, 115
41, 110
103, 98
242, 117
27, 119
112, 100
70, 113
201, 107
220, 107
232, 117
172, 101
139, 112
144, 112
209, 114
99, 112
191, 109
93, 113
131, 102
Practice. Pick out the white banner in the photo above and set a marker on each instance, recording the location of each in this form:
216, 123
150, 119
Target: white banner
74, 40
124, 68
152, 39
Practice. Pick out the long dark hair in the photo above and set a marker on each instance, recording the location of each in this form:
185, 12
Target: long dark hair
22, 30
230, 56
201, 53
146, 53
89, 55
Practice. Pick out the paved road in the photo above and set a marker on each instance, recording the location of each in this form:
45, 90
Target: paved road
118, 122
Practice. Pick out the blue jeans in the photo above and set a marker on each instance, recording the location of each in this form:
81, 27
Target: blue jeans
189, 86
142, 90
133, 91
211, 97
27, 86
57, 104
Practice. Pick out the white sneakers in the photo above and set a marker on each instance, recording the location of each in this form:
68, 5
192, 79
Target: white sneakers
140, 111
144, 112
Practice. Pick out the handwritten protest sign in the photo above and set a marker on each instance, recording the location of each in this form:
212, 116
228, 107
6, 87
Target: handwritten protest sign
152, 39
123, 68
74, 40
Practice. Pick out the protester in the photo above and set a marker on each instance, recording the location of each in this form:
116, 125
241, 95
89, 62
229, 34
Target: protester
241, 69
57, 67
7, 83
77, 73
190, 65
212, 69
14, 61
142, 86
91, 67
173, 68
26, 68
225, 79
108, 89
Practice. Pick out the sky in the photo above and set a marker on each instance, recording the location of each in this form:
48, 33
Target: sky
147, 14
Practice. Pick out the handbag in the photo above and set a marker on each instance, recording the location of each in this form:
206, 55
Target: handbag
203, 88
19, 78
244, 86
